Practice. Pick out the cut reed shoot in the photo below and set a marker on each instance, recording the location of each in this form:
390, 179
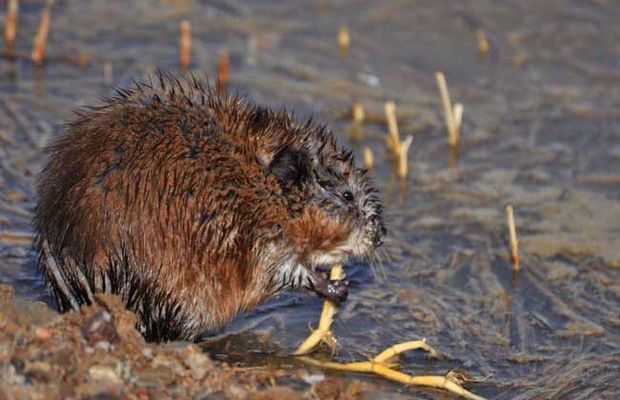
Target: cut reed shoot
458, 116
10, 30
358, 113
520, 59
108, 77
40, 39
402, 157
223, 69
185, 44
344, 40
393, 139
514, 242
449, 111
483, 44
368, 158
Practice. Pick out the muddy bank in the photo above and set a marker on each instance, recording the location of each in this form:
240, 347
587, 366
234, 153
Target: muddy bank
97, 354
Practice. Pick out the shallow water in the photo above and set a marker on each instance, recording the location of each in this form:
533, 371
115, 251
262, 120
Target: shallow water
541, 131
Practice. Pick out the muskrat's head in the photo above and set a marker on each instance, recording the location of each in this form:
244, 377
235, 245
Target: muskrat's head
338, 213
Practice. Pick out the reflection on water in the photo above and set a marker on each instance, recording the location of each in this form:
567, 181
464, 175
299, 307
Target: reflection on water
540, 131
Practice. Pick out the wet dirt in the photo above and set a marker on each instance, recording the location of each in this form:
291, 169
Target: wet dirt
541, 131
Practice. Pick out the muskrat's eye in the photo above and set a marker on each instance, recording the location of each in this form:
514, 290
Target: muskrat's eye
348, 196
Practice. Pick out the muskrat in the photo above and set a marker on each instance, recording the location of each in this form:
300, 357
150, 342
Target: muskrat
193, 205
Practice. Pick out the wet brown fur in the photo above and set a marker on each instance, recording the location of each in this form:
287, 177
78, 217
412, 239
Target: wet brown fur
187, 202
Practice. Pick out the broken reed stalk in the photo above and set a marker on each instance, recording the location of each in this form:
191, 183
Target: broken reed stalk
368, 158
448, 111
10, 31
185, 44
358, 112
108, 73
520, 59
344, 40
400, 149
358, 115
223, 69
458, 117
402, 157
483, 44
514, 242
393, 139
41, 38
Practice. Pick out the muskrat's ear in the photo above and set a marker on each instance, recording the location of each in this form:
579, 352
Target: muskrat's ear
291, 166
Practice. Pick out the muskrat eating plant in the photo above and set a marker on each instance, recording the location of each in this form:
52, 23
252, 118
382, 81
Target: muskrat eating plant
193, 206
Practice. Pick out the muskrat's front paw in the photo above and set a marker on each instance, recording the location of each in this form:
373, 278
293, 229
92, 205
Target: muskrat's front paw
333, 290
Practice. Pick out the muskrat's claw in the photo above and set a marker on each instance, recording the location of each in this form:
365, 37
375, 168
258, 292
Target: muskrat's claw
333, 290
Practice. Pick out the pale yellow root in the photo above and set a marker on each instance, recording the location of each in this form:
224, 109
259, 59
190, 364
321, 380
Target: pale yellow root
397, 349
381, 364
323, 333
377, 368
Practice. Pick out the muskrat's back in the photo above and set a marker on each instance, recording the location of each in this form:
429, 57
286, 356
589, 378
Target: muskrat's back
194, 206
